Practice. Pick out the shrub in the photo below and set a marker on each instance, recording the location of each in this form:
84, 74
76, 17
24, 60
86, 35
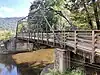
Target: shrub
78, 71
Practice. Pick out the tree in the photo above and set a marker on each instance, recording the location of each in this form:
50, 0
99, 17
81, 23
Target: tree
36, 19
88, 15
4, 35
80, 14
96, 14
91, 8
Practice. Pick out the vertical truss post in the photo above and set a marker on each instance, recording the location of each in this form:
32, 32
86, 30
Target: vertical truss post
16, 36
23, 33
37, 33
41, 32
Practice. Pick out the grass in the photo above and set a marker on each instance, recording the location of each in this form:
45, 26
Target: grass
31, 63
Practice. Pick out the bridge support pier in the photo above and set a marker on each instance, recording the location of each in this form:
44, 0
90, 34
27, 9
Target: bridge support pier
62, 60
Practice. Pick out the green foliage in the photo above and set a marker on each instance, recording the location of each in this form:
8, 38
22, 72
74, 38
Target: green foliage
79, 20
84, 9
4, 35
20, 26
8, 35
78, 71
56, 21
58, 4
39, 21
59, 12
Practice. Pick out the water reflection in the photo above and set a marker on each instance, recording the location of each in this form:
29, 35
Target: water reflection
7, 66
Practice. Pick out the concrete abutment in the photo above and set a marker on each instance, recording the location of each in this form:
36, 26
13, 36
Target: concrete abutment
62, 60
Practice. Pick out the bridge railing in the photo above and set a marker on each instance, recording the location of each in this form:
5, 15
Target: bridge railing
88, 41
83, 38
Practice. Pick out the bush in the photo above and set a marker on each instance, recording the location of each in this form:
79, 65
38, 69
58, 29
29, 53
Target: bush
4, 35
77, 71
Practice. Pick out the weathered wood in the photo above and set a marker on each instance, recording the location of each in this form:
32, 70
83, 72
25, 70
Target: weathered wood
54, 40
34, 35
84, 36
75, 40
83, 40
38, 36
69, 38
93, 46
64, 39
47, 35
84, 33
42, 37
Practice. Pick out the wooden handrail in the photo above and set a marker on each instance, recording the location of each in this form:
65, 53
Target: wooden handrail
88, 37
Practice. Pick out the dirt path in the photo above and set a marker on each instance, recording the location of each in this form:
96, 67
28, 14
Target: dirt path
31, 63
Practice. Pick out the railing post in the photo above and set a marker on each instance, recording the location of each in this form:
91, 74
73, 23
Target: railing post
54, 39
64, 39
28, 41
93, 47
34, 35
22, 34
42, 37
30, 35
38, 36
75, 39
47, 38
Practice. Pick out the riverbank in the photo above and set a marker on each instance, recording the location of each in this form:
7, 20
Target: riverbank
31, 63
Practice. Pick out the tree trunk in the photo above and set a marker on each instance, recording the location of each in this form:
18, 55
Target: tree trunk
96, 14
98, 5
88, 16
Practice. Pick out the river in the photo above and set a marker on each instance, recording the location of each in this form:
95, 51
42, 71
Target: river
8, 66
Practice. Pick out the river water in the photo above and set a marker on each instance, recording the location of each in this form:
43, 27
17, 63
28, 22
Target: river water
8, 66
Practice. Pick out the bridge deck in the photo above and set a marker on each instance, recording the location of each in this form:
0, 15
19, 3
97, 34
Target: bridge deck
86, 41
